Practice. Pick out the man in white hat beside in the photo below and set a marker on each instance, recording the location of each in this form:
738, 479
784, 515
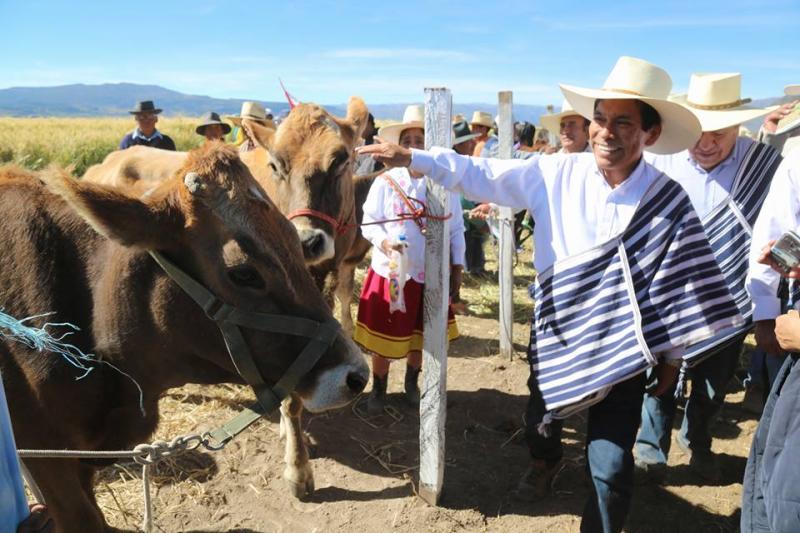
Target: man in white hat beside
626, 277
252, 111
727, 178
572, 129
481, 124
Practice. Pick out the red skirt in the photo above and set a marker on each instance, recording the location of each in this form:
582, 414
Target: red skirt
393, 335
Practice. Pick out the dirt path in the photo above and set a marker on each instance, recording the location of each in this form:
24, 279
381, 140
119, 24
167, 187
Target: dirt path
240, 488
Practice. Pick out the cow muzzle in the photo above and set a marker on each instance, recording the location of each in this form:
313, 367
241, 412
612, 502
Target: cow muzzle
318, 246
340, 384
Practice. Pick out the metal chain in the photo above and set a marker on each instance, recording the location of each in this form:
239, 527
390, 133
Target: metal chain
146, 455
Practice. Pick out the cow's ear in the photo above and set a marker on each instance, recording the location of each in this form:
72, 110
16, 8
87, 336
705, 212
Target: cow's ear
262, 135
357, 115
149, 223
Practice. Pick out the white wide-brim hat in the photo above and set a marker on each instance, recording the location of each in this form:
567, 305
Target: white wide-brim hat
482, 118
636, 79
251, 111
413, 117
552, 122
716, 100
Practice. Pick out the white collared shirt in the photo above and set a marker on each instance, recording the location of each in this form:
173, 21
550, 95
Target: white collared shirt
706, 189
383, 203
573, 206
779, 214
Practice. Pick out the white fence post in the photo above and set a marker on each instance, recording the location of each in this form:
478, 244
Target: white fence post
433, 402
505, 269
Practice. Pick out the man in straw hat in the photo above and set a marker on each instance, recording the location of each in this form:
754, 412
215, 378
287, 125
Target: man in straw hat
212, 128
727, 178
146, 115
481, 124
572, 129
617, 290
783, 123
252, 111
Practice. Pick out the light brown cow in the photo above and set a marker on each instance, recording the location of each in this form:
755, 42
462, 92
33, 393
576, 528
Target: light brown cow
79, 251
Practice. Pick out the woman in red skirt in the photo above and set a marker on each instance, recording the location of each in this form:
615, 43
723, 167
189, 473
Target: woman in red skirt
390, 335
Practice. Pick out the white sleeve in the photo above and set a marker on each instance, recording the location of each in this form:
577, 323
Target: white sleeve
507, 182
374, 209
779, 213
458, 245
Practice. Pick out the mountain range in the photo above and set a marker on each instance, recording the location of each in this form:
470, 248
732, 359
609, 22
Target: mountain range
115, 99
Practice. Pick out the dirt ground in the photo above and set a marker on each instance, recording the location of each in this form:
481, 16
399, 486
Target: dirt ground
365, 468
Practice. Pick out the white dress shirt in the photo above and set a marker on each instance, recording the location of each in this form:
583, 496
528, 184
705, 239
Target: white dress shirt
573, 206
383, 203
706, 189
779, 214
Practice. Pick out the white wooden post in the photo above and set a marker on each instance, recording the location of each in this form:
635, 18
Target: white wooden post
433, 401
505, 269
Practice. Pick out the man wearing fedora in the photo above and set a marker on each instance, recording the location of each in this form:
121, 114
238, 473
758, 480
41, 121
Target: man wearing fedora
482, 124
727, 177
602, 220
212, 128
253, 111
146, 134
571, 128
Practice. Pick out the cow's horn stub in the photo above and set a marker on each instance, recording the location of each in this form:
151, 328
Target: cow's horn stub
194, 183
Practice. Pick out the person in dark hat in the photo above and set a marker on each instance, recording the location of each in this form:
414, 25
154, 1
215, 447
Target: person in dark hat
146, 134
212, 128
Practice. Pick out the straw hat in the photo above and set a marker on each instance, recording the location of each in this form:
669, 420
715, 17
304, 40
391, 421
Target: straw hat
482, 119
413, 117
252, 111
636, 79
791, 90
716, 100
210, 119
552, 121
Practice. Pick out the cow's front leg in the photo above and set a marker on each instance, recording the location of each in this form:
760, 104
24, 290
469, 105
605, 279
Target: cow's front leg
344, 293
298, 471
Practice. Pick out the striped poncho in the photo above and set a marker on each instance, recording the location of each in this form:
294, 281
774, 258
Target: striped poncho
729, 228
603, 315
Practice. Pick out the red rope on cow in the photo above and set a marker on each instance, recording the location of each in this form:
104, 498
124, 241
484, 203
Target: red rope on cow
339, 226
417, 214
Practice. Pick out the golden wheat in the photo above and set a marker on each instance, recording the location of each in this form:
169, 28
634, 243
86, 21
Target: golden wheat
78, 143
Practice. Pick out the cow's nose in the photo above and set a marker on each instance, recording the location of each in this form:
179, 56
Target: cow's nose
313, 243
356, 382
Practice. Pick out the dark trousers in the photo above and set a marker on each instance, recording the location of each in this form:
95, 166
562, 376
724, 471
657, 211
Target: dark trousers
474, 256
771, 492
610, 436
709, 384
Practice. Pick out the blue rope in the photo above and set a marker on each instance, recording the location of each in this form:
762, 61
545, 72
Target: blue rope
41, 340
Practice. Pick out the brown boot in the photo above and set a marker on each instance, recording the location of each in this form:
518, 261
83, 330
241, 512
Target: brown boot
537, 481
412, 387
377, 396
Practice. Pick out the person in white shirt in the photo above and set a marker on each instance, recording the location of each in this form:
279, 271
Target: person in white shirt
582, 205
726, 177
393, 196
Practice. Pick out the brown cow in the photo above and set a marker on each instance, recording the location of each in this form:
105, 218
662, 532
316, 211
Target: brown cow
79, 251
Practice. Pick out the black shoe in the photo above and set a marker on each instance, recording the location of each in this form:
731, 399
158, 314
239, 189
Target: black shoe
412, 387
377, 396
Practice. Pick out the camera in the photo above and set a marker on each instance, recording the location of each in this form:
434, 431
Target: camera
786, 251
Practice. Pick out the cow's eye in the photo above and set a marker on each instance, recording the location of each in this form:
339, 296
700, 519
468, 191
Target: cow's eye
276, 174
245, 276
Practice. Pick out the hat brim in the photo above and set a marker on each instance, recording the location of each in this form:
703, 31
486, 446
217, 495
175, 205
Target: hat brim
552, 122
465, 138
155, 111
724, 118
391, 133
226, 129
485, 125
237, 121
680, 128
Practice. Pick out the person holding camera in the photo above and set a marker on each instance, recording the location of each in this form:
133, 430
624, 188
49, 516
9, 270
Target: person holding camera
726, 177
771, 493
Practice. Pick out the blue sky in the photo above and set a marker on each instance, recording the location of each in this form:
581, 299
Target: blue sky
387, 52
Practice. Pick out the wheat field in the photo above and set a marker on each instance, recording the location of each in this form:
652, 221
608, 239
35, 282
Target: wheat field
79, 143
